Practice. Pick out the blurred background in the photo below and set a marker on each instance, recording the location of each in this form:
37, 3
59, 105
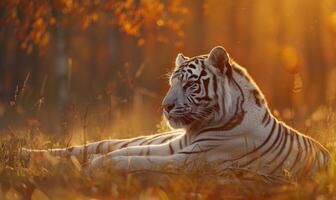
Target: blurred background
102, 65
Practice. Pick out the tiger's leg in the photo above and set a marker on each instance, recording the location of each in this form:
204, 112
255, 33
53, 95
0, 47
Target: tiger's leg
165, 149
145, 153
140, 163
106, 146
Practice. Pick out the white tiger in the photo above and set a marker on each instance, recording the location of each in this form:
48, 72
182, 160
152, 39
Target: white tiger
223, 118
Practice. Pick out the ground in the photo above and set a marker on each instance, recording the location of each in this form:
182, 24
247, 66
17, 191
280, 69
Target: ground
48, 177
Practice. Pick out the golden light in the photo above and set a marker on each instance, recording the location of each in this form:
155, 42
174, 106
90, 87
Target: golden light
290, 59
332, 22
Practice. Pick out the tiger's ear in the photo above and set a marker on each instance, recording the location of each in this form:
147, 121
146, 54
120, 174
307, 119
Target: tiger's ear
219, 58
180, 58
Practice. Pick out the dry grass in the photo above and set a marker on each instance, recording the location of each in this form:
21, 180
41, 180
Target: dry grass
63, 178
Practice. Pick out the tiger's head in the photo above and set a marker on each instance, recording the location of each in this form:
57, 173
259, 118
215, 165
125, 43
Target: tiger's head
200, 91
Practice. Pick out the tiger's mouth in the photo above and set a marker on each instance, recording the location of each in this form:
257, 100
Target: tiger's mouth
188, 116
179, 118
179, 122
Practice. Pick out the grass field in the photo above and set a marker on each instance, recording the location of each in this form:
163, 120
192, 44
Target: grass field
64, 178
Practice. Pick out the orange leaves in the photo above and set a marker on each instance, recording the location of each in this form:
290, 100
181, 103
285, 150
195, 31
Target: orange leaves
88, 20
152, 11
127, 17
154, 16
52, 21
141, 42
68, 6
34, 21
30, 21
160, 22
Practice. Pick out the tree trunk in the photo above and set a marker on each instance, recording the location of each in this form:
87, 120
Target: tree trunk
61, 69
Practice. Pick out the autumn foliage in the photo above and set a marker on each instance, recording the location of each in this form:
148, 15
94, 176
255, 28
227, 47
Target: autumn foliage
33, 21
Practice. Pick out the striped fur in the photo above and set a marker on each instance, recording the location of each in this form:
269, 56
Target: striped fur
223, 117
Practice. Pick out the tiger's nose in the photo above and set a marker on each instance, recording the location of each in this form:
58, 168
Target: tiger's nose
168, 107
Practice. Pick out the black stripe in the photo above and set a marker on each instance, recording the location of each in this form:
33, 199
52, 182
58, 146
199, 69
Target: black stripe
256, 95
317, 158
233, 122
303, 171
143, 142
289, 151
298, 155
180, 143
269, 148
144, 138
192, 76
239, 71
198, 89
307, 167
125, 144
128, 142
215, 85
310, 142
70, 149
265, 116
326, 157
176, 74
193, 66
114, 144
305, 143
203, 73
141, 152
283, 145
151, 141
148, 151
98, 149
193, 101
282, 136
278, 136
323, 159
193, 152
189, 99
171, 150
256, 149
153, 138
268, 120
208, 139
206, 90
167, 138
228, 71
306, 149
237, 117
